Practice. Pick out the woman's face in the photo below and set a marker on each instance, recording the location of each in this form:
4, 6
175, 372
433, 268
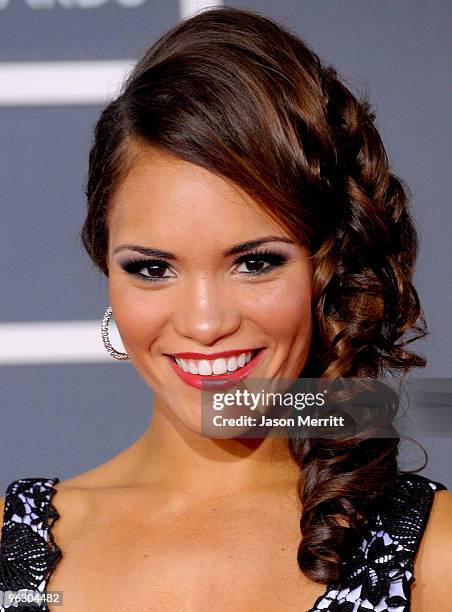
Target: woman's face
208, 292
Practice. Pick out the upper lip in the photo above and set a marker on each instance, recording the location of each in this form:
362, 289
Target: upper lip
213, 355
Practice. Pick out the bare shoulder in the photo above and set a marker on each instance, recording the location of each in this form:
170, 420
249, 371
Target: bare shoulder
433, 565
2, 507
86, 498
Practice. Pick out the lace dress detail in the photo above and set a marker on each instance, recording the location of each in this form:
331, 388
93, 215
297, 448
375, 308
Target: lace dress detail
28, 552
377, 577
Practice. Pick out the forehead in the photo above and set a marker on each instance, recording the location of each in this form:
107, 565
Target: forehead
162, 195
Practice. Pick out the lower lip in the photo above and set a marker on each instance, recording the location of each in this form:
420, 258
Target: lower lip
218, 381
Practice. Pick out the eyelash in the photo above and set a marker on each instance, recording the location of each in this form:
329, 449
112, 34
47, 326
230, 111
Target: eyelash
274, 258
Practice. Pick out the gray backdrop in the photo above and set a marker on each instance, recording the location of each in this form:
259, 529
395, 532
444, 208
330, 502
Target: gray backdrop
60, 419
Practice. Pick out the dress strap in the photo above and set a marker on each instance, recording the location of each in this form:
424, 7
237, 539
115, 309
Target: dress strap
405, 518
28, 551
379, 574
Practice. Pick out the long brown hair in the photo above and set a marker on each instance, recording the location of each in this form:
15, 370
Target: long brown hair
240, 95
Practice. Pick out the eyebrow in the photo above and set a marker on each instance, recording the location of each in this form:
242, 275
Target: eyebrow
238, 248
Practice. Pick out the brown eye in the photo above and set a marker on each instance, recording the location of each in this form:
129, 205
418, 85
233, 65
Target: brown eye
156, 269
261, 262
255, 264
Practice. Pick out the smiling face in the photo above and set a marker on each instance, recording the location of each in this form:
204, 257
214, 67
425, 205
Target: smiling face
198, 288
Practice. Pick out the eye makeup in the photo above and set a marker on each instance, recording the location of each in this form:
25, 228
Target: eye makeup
273, 258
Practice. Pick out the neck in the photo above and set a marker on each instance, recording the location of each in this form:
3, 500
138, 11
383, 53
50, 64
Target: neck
170, 452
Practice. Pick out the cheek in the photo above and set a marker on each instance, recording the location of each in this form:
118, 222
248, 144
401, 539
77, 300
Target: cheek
283, 308
138, 318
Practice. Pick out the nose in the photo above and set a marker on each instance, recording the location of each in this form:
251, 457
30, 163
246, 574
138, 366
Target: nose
206, 313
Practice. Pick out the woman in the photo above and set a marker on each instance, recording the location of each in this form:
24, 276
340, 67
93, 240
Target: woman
241, 204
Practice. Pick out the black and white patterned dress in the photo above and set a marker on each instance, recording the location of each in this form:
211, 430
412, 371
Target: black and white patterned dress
377, 577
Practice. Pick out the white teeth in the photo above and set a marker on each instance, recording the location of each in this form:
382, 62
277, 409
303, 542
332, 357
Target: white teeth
232, 364
207, 367
204, 367
219, 366
183, 364
192, 367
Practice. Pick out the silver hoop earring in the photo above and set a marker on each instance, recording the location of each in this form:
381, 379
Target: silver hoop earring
106, 340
